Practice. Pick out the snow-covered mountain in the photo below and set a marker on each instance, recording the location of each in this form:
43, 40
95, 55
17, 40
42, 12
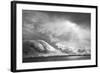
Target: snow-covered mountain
36, 48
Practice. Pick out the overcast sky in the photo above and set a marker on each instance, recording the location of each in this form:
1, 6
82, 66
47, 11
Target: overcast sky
68, 28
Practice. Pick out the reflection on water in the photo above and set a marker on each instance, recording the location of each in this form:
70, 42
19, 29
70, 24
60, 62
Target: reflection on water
56, 58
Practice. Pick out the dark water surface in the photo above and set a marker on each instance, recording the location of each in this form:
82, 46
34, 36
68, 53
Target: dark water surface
55, 58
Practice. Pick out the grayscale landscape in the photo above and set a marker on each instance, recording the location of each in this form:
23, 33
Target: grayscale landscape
55, 36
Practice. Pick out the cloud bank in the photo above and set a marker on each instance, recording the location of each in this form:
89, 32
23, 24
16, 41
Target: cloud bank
64, 29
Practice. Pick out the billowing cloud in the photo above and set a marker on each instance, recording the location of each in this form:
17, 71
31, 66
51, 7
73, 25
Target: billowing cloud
60, 28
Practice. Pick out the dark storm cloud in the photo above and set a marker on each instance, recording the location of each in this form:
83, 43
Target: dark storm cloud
79, 18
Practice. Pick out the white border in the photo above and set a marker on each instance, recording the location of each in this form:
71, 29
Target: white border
38, 65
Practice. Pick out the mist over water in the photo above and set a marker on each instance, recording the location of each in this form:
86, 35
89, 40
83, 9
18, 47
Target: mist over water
59, 29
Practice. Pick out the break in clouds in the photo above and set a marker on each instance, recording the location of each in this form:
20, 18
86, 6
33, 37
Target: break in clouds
60, 29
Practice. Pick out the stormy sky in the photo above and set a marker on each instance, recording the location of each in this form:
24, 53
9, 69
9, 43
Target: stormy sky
67, 28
